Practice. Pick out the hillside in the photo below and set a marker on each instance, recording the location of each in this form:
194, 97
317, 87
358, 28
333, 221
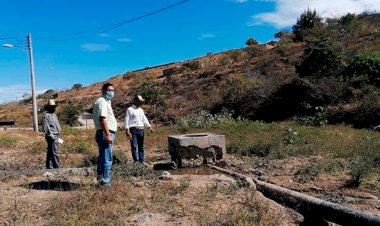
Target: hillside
255, 82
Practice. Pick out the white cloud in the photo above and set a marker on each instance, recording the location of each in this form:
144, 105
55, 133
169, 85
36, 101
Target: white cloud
104, 35
206, 36
287, 11
15, 92
95, 47
124, 40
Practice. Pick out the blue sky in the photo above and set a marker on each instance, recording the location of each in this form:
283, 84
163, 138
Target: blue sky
185, 31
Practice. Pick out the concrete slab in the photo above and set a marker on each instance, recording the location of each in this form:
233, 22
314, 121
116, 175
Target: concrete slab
204, 146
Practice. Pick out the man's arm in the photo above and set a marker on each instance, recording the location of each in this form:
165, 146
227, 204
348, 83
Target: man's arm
104, 125
45, 122
146, 123
126, 124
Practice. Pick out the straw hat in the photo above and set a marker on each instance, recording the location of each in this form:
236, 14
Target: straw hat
50, 102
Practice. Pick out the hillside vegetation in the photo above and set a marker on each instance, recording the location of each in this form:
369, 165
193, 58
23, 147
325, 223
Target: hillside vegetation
323, 71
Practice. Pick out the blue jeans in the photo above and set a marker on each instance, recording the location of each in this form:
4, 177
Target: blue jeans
137, 145
104, 163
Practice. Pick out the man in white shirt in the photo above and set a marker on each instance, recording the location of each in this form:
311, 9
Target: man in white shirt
135, 122
106, 126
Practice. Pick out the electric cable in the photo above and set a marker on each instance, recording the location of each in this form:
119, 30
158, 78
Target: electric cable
102, 29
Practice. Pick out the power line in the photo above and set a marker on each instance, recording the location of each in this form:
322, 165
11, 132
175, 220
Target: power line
99, 30
7, 38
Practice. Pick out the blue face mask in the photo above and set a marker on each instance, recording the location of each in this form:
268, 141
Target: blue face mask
110, 95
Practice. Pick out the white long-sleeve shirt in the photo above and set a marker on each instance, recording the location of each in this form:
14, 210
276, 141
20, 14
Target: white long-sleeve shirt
135, 117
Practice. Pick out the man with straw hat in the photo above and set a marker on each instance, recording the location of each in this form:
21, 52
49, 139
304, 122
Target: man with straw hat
135, 122
52, 130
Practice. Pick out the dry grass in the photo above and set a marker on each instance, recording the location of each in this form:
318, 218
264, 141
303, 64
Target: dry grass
328, 151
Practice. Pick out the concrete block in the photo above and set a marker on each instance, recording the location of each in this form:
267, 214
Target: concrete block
206, 146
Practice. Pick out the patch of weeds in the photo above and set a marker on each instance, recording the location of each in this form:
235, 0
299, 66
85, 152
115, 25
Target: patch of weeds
234, 186
77, 147
127, 170
204, 119
318, 119
260, 148
209, 194
90, 161
360, 168
8, 140
306, 173
38, 147
249, 211
107, 207
290, 137
235, 217
184, 184
334, 165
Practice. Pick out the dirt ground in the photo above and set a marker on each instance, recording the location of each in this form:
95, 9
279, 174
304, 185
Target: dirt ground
23, 203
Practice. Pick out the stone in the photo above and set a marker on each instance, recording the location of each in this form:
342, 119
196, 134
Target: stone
165, 176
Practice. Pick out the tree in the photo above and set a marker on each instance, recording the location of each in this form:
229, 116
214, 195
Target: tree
284, 36
251, 42
77, 86
69, 114
49, 94
154, 93
321, 58
27, 96
308, 20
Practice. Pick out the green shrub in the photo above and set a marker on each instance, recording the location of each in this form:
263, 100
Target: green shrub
367, 114
367, 65
361, 167
321, 58
193, 65
69, 114
203, 119
318, 119
251, 42
77, 86
306, 173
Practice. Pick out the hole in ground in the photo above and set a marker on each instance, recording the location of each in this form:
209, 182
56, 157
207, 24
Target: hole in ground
54, 185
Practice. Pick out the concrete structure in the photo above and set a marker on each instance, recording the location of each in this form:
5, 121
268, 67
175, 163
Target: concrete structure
198, 146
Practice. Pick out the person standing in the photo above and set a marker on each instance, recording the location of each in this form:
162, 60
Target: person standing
106, 126
52, 130
135, 121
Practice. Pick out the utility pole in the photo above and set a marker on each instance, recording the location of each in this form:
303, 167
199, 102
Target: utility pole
31, 64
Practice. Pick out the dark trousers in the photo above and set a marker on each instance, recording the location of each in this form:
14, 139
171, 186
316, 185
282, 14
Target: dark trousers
137, 145
52, 160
